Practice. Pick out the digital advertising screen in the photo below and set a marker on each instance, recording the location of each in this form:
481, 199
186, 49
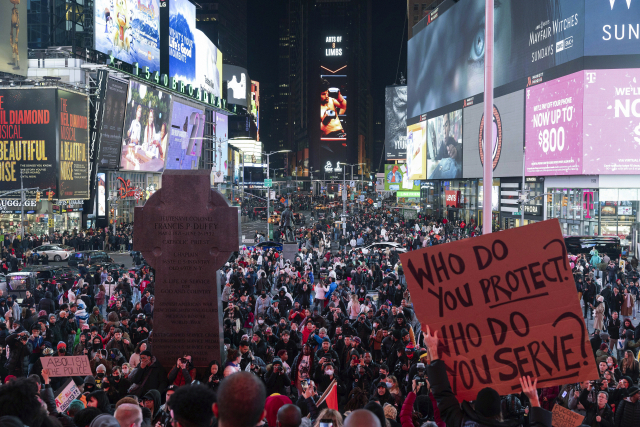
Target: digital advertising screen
395, 125
147, 124
28, 139
611, 122
208, 64
508, 139
255, 105
182, 48
613, 27
417, 150
102, 194
446, 58
185, 141
73, 112
444, 146
238, 85
221, 152
13, 50
554, 126
112, 122
397, 178
129, 30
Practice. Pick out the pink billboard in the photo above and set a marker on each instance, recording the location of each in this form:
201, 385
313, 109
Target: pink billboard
554, 127
612, 121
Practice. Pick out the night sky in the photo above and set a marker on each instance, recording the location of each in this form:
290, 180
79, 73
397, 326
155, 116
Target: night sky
388, 20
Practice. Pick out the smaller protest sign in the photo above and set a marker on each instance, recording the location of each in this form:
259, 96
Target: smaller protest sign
67, 366
66, 394
563, 417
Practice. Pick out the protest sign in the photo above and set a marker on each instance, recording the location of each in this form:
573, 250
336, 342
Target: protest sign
66, 394
504, 305
67, 366
563, 417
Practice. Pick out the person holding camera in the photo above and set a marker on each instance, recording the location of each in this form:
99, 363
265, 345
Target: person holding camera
598, 413
19, 351
183, 372
276, 379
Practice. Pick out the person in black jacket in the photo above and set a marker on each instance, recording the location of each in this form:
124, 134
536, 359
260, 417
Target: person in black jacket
628, 411
19, 351
47, 304
277, 379
487, 408
148, 375
598, 414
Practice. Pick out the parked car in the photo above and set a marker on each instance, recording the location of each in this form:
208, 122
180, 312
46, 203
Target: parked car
88, 258
64, 274
381, 245
55, 253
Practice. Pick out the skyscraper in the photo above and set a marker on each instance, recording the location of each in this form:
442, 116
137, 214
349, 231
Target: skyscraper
225, 23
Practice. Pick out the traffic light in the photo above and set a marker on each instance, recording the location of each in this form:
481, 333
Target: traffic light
50, 195
37, 196
565, 201
549, 198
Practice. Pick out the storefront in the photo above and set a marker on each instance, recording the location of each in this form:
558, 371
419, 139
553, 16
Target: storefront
127, 190
67, 215
511, 209
458, 199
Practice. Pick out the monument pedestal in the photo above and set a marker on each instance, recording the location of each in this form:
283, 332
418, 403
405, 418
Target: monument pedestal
186, 231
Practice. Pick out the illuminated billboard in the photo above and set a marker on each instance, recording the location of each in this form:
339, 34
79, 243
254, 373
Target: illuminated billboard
221, 150
445, 61
417, 150
73, 112
615, 27
208, 64
13, 49
182, 49
112, 122
395, 124
508, 139
255, 104
238, 84
102, 195
444, 146
129, 30
333, 94
146, 129
397, 178
185, 140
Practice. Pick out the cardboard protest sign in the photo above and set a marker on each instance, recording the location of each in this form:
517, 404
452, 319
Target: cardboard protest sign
504, 305
66, 394
67, 366
563, 417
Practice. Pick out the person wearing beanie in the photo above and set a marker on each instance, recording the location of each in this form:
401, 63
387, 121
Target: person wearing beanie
276, 378
628, 410
148, 375
486, 409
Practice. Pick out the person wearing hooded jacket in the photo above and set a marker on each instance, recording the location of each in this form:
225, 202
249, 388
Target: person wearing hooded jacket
486, 411
155, 408
148, 375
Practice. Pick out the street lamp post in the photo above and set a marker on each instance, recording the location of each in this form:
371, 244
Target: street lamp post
268, 190
344, 188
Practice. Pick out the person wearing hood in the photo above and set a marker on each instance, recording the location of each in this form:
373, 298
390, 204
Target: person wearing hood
487, 408
276, 379
81, 312
98, 399
140, 329
47, 303
262, 303
152, 401
96, 318
148, 375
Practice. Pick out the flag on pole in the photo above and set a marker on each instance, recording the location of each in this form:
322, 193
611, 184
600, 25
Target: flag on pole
330, 395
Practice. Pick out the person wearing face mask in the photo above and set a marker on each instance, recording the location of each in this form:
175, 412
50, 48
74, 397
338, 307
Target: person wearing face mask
117, 385
140, 329
101, 373
260, 325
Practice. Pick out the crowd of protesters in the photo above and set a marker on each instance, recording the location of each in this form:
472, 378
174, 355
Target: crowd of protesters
337, 315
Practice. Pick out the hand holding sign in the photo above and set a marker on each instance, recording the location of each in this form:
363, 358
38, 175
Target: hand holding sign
500, 307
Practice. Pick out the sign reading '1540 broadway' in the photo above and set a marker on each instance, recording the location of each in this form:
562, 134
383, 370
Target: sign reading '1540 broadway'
42, 130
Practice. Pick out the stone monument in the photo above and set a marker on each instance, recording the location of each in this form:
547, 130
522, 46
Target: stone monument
186, 232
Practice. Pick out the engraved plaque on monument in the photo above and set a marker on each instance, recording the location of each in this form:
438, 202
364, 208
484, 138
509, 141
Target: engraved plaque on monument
186, 231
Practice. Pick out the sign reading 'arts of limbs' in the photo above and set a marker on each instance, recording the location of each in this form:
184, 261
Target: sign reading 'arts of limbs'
186, 231
504, 306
